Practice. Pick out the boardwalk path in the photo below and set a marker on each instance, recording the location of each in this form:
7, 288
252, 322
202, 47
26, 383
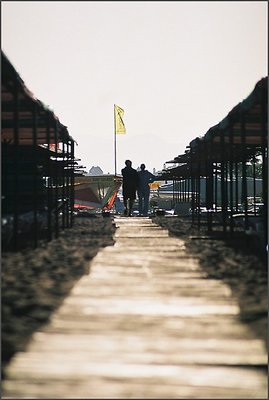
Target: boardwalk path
145, 323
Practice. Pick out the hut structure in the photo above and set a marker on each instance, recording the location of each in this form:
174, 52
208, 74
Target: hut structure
212, 174
38, 166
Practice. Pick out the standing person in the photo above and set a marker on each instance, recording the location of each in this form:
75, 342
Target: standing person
145, 177
129, 187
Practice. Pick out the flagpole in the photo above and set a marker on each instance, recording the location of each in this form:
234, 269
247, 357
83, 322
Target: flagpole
115, 141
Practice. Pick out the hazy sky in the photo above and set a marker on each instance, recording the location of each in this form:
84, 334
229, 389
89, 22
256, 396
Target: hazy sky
176, 68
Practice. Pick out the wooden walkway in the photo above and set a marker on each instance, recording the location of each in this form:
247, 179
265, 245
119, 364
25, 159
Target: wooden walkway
145, 323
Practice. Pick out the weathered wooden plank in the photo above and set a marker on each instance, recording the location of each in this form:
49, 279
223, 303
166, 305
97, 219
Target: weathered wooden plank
145, 323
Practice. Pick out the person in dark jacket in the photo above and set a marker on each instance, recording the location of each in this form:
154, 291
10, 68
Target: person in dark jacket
145, 177
129, 187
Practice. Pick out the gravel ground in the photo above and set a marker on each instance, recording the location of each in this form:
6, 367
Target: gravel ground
242, 266
35, 282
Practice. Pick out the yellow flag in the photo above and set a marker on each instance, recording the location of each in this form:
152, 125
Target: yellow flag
119, 124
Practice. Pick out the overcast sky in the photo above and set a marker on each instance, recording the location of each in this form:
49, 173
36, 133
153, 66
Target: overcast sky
176, 68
